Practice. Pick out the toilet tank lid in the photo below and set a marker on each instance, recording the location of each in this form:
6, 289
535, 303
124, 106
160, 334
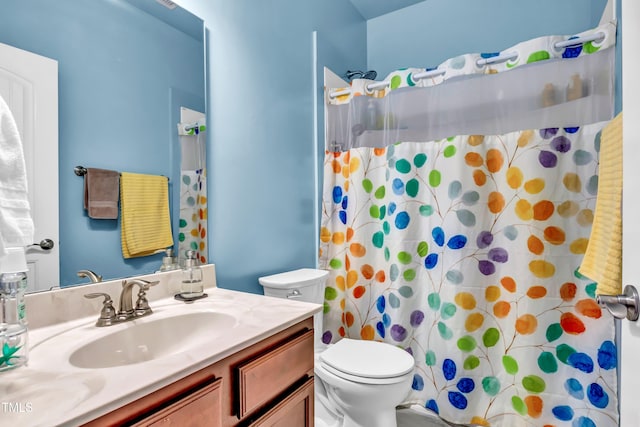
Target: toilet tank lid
296, 278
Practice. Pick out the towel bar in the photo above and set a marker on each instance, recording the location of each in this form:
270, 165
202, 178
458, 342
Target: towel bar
82, 171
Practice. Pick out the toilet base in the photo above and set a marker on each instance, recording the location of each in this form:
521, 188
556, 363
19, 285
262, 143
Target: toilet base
327, 415
405, 417
418, 416
381, 419
324, 418
350, 403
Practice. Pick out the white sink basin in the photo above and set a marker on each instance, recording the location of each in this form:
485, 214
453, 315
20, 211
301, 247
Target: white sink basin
149, 339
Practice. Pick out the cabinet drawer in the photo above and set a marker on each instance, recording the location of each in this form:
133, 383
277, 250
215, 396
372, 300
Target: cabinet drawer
296, 410
200, 408
265, 377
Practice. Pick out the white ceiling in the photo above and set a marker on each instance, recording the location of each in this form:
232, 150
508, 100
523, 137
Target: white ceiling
373, 8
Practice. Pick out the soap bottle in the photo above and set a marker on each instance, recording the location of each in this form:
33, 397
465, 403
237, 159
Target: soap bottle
168, 261
14, 337
192, 285
371, 115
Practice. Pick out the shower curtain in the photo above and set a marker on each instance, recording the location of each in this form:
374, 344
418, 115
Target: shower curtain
193, 193
456, 211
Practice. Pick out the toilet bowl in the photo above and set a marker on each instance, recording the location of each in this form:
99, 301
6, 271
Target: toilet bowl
358, 383
365, 381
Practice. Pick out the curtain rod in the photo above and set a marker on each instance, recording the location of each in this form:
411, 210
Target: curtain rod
506, 56
196, 127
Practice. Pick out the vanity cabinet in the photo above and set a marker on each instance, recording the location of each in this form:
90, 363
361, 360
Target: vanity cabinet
267, 384
199, 408
296, 410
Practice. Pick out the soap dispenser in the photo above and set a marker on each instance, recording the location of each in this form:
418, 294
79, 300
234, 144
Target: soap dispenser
14, 338
169, 261
192, 286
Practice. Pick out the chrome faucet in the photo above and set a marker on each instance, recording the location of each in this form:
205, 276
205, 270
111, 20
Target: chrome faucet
95, 278
126, 312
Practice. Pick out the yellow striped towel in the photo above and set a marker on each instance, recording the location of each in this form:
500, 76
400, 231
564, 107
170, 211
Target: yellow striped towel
144, 212
602, 262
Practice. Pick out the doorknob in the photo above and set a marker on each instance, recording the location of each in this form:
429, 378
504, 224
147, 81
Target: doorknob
45, 244
622, 306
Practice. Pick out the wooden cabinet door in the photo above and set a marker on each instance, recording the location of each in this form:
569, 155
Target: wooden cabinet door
200, 408
296, 410
264, 378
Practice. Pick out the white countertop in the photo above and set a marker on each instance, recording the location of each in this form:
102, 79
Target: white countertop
50, 391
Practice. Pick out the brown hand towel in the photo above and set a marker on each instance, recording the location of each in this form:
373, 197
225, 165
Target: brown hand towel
101, 193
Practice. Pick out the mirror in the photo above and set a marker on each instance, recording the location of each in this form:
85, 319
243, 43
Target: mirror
125, 69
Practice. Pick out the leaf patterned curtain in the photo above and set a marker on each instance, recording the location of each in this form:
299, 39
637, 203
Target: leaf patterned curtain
464, 252
192, 234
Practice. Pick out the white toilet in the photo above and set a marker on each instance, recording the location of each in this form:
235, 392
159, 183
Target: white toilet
358, 383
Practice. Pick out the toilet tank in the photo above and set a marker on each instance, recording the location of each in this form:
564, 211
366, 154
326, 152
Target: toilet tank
305, 284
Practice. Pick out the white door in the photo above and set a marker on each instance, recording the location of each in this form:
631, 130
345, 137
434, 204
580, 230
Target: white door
630, 358
29, 85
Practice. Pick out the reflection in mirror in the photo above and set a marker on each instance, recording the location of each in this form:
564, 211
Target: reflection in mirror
125, 70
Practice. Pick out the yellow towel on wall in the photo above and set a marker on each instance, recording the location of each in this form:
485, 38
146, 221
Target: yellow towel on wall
144, 212
602, 262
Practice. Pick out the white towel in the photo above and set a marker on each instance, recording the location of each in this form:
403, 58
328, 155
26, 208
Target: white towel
16, 224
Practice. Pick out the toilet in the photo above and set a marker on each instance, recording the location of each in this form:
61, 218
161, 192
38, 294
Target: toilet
358, 383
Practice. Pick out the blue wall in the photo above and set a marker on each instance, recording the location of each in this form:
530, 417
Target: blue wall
260, 104
261, 154
103, 122
428, 33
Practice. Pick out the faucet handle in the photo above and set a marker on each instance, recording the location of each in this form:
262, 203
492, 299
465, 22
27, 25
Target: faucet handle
108, 313
146, 285
143, 284
142, 304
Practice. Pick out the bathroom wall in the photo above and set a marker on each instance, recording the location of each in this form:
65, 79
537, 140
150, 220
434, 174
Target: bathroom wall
261, 154
260, 103
99, 129
261, 157
428, 33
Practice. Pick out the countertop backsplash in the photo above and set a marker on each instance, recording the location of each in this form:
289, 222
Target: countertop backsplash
62, 323
64, 304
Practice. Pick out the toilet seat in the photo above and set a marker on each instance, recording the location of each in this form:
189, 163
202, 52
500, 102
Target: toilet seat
367, 362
